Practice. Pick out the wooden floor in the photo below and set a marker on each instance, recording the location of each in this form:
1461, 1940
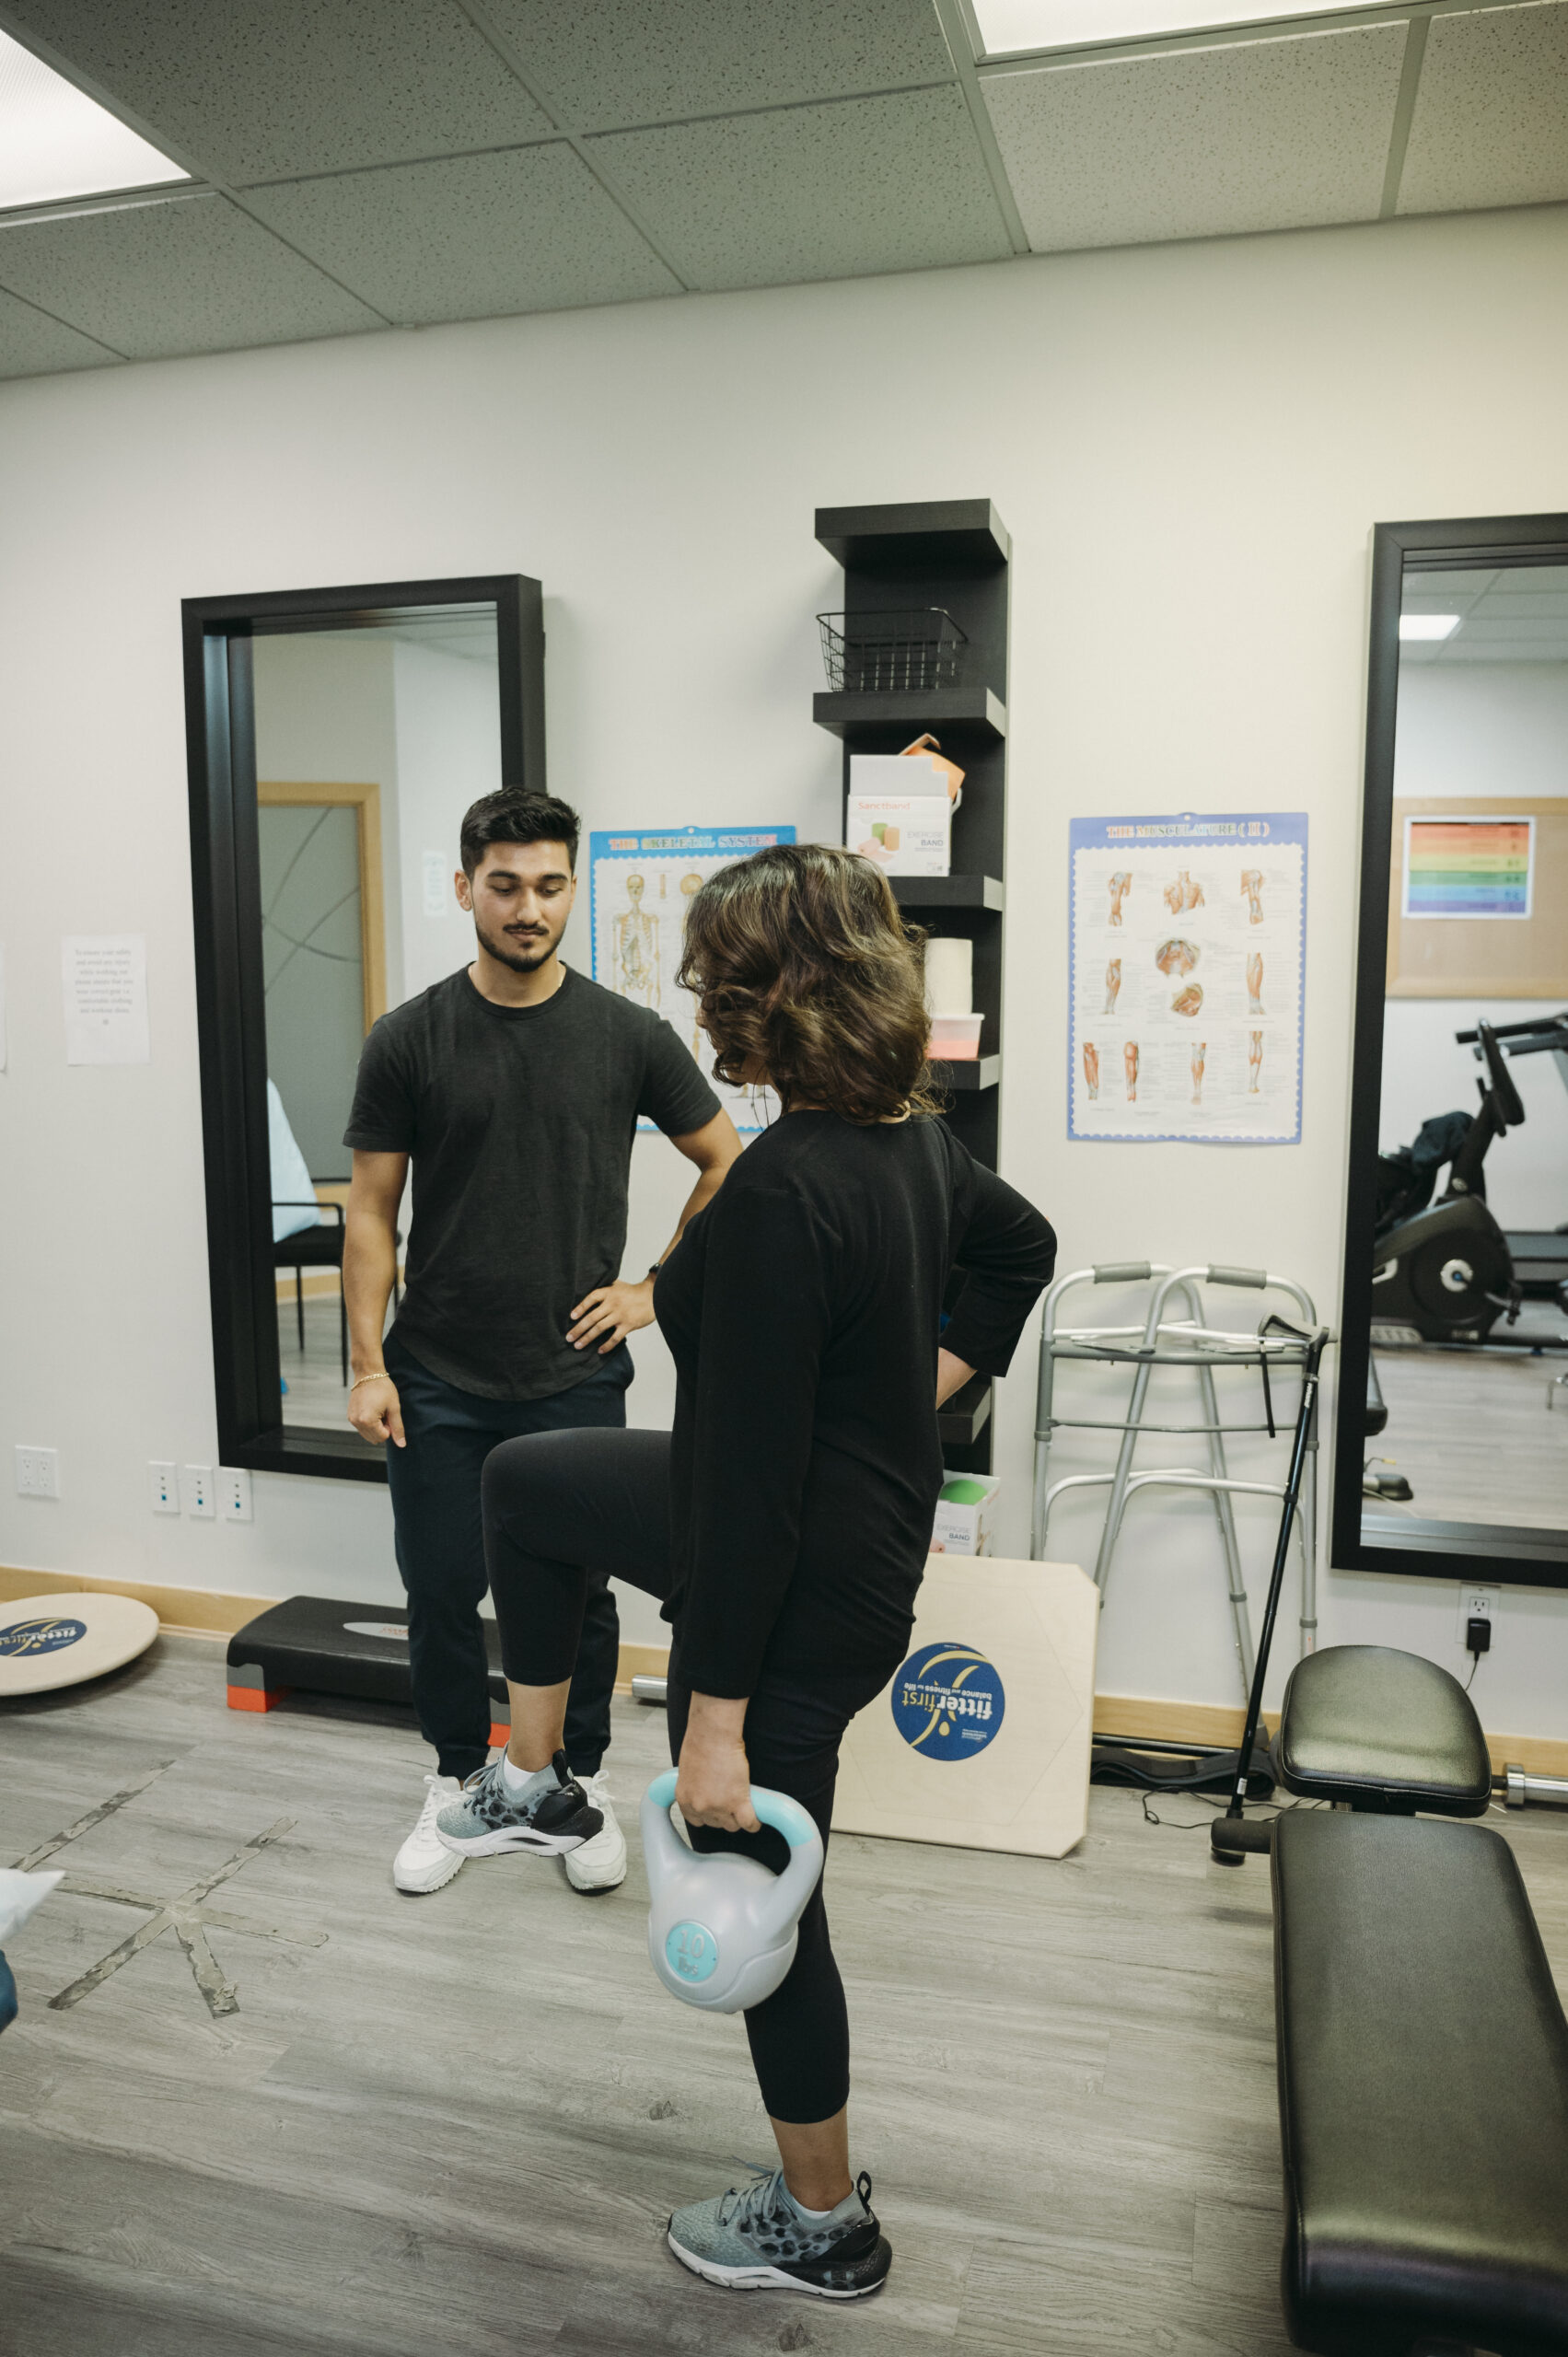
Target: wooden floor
317, 1393
1472, 1434
312, 2117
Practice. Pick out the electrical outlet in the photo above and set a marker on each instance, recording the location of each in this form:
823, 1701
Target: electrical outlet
165, 1482
234, 1493
37, 1471
196, 1491
1476, 1603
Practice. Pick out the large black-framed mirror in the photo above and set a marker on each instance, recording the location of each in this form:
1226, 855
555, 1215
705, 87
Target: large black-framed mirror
1452, 1443
334, 736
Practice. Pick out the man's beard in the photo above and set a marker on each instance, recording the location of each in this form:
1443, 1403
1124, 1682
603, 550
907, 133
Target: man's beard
521, 961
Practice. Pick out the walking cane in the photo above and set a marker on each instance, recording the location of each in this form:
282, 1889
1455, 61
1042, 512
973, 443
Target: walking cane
1233, 1835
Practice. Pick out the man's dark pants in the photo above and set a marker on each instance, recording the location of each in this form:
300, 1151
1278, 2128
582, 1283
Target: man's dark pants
434, 1482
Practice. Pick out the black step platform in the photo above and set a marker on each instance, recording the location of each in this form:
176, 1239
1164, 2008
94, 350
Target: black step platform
330, 1646
1423, 2093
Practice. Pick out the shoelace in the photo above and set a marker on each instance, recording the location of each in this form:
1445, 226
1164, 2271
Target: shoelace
762, 2198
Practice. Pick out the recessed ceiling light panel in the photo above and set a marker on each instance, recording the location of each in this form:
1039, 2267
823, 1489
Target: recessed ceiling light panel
56, 143
1009, 27
1428, 625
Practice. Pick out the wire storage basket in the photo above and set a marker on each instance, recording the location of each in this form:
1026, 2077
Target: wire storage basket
882, 654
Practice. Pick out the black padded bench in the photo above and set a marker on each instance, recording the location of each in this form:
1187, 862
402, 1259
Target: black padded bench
1424, 2092
1422, 2050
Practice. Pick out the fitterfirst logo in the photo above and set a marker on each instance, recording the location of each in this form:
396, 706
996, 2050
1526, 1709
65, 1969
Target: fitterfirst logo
947, 1702
25, 1637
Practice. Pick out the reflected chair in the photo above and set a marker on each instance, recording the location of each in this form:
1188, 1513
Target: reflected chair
320, 1247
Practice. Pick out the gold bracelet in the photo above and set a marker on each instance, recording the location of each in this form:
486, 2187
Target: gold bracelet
379, 1376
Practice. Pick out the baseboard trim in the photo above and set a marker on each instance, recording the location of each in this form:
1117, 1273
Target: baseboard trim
640, 1661
214, 1612
1219, 1727
190, 1611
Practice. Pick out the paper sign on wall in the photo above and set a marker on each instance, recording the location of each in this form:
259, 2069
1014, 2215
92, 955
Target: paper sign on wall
640, 888
105, 980
435, 871
1468, 867
1188, 955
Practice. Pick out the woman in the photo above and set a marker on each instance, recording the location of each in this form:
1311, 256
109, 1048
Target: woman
785, 1522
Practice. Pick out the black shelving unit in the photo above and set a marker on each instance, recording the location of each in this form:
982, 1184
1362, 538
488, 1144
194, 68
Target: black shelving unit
953, 555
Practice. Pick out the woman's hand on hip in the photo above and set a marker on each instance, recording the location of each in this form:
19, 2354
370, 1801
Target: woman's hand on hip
609, 1313
714, 1785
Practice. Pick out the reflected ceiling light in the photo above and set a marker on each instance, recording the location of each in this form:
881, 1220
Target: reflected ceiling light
56, 143
1007, 27
1428, 625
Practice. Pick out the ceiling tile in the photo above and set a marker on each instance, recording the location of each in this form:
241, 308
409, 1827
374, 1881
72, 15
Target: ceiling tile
1200, 143
472, 237
32, 344
1491, 121
178, 275
825, 191
605, 63
295, 85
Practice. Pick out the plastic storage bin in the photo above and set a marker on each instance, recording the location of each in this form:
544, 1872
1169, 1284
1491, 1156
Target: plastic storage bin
955, 1038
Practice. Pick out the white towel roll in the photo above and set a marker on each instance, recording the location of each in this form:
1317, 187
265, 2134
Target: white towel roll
949, 976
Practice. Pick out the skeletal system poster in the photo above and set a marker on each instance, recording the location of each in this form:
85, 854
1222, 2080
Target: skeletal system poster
1188, 949
641, 885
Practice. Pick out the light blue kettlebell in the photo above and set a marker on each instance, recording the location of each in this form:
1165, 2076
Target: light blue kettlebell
722, 1928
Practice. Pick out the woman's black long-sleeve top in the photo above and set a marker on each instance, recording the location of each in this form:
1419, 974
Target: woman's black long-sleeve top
803, 1309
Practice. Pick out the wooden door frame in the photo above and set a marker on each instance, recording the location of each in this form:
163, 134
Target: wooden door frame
279, 793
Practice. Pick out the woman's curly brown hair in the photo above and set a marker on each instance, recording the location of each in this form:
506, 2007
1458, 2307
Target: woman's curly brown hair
805, 972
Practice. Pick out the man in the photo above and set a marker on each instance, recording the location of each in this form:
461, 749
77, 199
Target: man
515, 1088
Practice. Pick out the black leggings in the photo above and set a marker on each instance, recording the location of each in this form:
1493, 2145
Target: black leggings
557, 1505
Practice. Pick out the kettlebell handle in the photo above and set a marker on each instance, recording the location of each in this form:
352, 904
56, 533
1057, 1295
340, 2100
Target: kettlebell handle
786, 1817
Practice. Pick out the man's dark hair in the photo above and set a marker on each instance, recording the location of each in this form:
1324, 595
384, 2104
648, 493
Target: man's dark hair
514, 816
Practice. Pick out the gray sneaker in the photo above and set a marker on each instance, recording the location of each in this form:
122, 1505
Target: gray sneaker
755, 2237
484, 1821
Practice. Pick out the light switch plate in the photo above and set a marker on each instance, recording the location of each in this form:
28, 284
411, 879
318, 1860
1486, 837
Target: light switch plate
196, 1491
234, 1493
164, 1480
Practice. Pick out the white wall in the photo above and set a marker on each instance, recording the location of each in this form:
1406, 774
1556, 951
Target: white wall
448, 728
326, 715
1495, 728
1190, 446
1482, 729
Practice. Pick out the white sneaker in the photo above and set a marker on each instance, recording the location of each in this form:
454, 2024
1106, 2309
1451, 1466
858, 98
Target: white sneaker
599, 1864
424, 1862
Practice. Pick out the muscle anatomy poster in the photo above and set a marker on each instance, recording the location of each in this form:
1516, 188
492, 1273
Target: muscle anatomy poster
640, 888
1188, 949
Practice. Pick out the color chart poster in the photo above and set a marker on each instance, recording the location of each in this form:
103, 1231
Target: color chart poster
640, 885
1468, 868
1188, 953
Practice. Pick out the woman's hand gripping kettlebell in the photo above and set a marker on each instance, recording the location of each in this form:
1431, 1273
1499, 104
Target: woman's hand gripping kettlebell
714, 1787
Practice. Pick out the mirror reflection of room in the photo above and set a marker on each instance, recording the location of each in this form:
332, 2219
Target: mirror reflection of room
370, 744
1469, 1301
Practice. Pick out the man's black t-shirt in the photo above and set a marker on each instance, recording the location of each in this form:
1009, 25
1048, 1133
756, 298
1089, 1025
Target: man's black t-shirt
520, 1121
